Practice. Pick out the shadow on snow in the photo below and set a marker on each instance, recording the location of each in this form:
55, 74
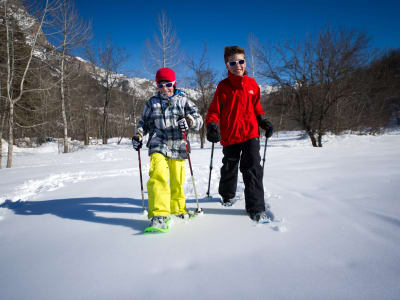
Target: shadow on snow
90, 210
84, 209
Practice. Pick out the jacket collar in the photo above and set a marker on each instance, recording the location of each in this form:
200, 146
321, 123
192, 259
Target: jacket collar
165, 97
168, 101
237, 81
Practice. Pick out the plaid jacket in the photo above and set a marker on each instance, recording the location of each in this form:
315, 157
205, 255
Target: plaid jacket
160, 120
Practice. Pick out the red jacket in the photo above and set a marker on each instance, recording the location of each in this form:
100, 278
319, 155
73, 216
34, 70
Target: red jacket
235, 107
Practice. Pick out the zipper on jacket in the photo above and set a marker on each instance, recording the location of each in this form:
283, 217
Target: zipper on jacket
163, 110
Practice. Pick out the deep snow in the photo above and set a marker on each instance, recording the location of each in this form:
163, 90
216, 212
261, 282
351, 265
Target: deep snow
71, 226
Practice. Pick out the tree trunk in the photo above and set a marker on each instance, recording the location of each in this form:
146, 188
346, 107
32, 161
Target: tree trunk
10, 135
105, 127
1, 144
320, 134
63, 110
105, 117
203, 136
312, 138
1, 149
85, 128
2, 118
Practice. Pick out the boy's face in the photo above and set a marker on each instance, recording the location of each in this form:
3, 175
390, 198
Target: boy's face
236, 68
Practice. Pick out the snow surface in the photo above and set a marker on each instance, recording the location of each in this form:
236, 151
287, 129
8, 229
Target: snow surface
71, 226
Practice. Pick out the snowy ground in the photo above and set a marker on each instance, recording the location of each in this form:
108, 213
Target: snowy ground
71, 226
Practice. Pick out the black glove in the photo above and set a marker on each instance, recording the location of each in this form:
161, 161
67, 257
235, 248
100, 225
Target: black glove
213, 135
266, 125
137, 142
183, 125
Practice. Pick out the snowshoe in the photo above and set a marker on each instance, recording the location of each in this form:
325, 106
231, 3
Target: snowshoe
263, 217
190, 214
227, 202
159, 224
270, 215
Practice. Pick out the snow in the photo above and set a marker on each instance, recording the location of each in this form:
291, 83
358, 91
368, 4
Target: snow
81, 59
267, 89
71, 226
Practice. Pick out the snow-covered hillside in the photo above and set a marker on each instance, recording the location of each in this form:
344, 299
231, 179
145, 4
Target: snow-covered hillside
71, 226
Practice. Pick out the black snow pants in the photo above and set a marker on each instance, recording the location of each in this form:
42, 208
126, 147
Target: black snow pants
248, 154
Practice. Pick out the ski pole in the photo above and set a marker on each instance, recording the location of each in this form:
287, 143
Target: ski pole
211, 167
265, 151
198, 210
141, 182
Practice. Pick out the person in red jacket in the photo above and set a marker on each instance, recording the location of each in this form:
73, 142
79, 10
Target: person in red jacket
234, 117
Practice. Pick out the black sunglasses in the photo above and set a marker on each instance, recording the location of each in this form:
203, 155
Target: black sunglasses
233, 63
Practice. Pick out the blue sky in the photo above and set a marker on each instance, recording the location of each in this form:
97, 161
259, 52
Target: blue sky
221, 23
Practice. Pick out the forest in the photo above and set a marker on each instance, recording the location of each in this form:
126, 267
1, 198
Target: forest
332, 81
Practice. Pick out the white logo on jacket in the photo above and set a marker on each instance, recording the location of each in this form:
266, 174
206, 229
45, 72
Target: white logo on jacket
251, 92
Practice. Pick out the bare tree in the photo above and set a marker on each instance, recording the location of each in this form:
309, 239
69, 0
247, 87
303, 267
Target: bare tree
84, 113
107, 62
315, 75
86, 91
19, 62
72, 32
2, 119
378, 101
121, 116
204, 79
254, 47
139, 93
163, 51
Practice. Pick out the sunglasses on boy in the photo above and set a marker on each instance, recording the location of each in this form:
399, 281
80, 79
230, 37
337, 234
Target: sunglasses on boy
168, 84
233, 63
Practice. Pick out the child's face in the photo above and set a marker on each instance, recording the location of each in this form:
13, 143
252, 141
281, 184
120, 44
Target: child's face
164, 89
237, 69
